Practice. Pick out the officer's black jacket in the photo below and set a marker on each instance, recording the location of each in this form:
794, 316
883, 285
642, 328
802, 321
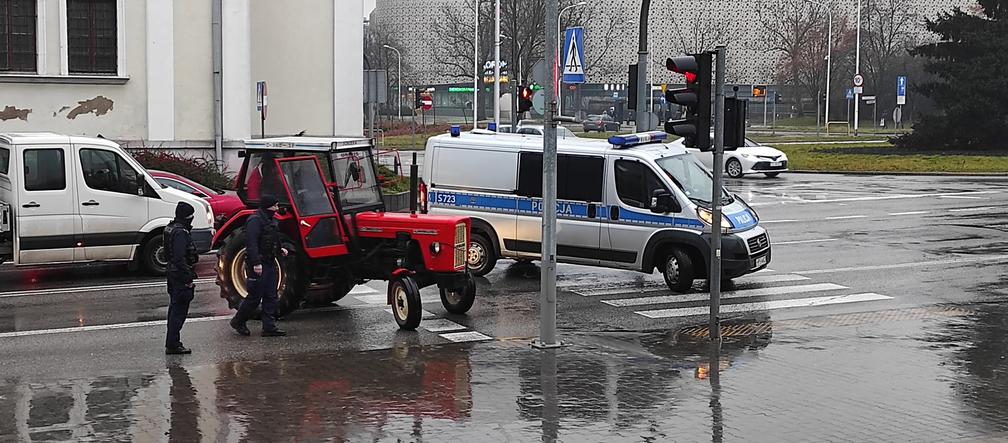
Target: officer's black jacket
262, 239
181, 253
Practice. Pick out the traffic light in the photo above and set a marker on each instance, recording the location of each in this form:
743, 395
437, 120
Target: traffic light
632, 87
696, 97
734, 123
524, 99
416, 98
759, 91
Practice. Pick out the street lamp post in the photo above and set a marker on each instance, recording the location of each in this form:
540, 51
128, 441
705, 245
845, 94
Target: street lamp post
857, 67
560, 56
398, 79
476, 71
829, 52
515, 79
497, 63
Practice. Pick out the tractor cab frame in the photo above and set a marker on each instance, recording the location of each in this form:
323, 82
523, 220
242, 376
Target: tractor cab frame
333, 221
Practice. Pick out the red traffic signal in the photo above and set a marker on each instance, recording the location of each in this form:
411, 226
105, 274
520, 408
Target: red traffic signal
695, 97
524, 98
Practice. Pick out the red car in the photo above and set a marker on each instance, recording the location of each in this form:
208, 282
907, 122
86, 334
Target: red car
224, 203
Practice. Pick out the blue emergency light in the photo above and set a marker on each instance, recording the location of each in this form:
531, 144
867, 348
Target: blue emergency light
492, 126
640, 138
456, 130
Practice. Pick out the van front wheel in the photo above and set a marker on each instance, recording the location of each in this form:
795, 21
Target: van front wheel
678, 271
154, 256
480, 258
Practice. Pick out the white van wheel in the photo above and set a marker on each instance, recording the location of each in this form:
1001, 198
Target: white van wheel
480, 258
678, 271
154, 256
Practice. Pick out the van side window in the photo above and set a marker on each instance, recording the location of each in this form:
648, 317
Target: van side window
635, 182
4, 161
579, 178
107, 171
530, 174
44, 170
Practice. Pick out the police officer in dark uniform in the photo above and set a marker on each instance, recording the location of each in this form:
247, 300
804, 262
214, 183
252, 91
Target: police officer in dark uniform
262, 245
182, 258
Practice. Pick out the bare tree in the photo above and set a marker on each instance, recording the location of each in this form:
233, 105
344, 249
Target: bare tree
890, 27
797, 30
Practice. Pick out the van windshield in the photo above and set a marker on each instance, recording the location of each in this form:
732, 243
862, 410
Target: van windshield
691, 177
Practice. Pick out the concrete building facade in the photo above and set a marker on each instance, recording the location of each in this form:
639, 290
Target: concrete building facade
143, 71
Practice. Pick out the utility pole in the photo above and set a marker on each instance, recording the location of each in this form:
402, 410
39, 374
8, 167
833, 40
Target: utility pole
857, 68
642, 119
548, 299
476, 71
714, 280
497, 62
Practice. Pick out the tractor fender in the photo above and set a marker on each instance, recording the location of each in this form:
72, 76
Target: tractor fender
235, 222
399, 272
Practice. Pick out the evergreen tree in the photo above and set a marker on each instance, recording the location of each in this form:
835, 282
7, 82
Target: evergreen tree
969, 81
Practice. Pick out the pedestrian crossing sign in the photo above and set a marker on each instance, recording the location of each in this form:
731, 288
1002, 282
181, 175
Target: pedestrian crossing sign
573, 59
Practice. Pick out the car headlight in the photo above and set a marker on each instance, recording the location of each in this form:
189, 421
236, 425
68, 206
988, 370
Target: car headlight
744, 155
707, 217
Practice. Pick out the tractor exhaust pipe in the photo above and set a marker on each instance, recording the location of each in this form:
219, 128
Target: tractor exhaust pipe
413, 172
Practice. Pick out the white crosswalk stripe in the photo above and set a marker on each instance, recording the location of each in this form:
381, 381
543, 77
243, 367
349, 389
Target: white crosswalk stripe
776, 290
765, 306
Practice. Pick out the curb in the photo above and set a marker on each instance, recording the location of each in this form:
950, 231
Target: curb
966, 174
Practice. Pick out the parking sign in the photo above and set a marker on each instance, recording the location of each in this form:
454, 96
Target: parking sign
901, 83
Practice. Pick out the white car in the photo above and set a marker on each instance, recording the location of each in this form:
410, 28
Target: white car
562, 132
753, 158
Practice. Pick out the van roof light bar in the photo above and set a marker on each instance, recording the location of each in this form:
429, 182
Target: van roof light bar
640, 138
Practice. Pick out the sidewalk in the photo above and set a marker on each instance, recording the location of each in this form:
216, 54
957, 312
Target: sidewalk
922, 374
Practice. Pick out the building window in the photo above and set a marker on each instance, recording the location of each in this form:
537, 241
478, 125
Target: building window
17, 36
92, 36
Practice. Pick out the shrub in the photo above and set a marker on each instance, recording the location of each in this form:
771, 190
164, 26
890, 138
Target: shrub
391, 182
201, 170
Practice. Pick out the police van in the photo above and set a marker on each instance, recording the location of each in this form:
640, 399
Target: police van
629, 202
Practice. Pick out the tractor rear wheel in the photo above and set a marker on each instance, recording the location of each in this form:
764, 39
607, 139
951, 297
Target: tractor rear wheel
406, 305
459, 300
232, 276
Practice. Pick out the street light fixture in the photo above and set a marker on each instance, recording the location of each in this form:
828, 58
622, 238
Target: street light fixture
829, 52
559, 55
398, 79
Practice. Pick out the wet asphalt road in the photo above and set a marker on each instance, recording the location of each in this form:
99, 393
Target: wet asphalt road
843, 245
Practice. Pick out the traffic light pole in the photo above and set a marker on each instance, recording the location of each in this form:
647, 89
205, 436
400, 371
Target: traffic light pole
548, 298
642, 116
715, 269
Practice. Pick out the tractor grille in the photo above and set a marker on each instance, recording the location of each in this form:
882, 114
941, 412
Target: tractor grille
461, 245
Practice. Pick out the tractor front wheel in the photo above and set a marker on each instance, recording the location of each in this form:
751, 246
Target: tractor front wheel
406, 305
459, 300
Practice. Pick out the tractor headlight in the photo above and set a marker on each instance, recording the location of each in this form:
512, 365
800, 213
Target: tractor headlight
435, 248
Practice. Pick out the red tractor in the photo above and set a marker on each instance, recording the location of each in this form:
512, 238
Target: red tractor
332, 221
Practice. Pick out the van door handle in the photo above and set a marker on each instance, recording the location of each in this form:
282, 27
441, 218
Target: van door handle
31, 205
90, 203
614, 212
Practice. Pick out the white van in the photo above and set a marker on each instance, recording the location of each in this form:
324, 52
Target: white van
632, 202
66, 199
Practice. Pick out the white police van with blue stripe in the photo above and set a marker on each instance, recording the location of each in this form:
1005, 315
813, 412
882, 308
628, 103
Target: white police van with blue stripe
630, 202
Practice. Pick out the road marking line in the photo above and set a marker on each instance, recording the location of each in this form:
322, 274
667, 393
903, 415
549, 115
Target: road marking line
107, 327
459, 337
779, 278
777, 221
962, 197
766, 306
878, 197
382, 299
984, 208
910, 213
441, 325
798, 242
959, 260
55, 291
781, 290
845, 217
